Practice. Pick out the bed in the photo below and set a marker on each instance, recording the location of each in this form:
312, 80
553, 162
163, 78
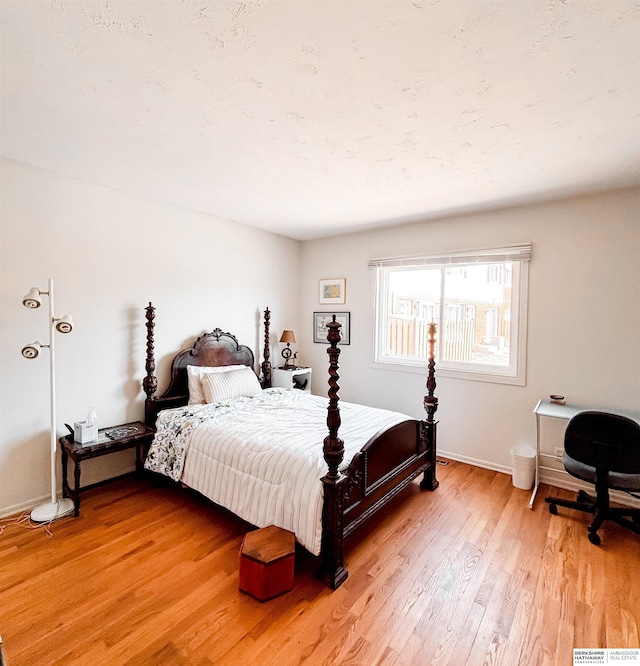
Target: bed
310, 464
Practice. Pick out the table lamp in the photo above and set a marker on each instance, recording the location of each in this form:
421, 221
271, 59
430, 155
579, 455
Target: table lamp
288, 337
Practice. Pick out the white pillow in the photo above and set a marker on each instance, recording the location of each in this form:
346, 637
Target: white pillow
222, 386
194, 379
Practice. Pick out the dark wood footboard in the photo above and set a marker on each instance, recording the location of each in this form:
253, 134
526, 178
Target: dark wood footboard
384, 467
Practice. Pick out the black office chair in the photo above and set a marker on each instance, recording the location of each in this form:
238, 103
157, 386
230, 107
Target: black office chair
603, 449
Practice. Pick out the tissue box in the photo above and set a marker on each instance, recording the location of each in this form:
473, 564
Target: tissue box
85, 432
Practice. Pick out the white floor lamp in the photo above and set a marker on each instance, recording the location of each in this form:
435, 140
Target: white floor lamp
49, 511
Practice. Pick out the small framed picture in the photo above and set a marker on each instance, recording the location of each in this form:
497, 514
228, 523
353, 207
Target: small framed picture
332, 291
320, 321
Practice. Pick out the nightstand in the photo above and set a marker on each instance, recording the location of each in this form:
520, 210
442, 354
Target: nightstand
298, 377
110, 440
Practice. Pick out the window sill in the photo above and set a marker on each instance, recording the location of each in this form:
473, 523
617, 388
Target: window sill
450, 373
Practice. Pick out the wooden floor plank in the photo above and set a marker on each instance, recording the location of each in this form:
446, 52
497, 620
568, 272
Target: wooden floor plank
468, 574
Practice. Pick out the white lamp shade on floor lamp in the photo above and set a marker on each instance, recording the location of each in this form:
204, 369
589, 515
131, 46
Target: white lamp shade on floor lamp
56, 508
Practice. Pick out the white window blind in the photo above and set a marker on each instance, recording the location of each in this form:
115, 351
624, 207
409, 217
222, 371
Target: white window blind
488, 256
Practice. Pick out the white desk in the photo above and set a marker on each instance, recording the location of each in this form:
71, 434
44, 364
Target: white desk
547, 408
552, 410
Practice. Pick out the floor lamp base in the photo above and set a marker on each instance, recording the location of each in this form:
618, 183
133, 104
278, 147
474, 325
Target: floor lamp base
49, 511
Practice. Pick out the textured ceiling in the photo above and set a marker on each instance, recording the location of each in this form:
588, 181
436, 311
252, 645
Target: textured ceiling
311, 118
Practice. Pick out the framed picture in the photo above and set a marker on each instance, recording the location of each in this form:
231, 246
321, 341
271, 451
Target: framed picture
332, 291
320, 321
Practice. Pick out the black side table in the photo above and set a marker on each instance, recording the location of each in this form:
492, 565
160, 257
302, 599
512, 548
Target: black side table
110, 440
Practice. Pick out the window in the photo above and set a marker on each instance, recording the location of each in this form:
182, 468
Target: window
478, 299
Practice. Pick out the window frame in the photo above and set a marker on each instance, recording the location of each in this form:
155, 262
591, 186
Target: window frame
515, 373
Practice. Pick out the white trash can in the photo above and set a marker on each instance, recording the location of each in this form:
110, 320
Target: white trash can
523, 460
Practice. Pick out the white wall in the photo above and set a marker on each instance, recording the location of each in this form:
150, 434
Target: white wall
109, 255
584, 318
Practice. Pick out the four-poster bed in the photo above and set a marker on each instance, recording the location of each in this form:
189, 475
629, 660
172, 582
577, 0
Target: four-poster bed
391, 449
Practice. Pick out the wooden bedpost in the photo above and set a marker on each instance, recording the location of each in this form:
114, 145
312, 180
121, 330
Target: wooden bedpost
429, 481
333, 446
332, 571
266, 364
150, 382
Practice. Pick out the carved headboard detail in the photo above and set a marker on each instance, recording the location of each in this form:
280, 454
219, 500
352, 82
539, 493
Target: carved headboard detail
211, 349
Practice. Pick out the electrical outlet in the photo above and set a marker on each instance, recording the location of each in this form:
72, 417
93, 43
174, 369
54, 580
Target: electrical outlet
558, 451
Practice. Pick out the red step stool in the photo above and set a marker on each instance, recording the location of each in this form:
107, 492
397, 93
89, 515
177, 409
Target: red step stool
267, 562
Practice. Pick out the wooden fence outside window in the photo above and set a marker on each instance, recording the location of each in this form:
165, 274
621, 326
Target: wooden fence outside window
408, 337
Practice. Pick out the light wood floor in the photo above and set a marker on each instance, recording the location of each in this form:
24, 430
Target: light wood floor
467, 575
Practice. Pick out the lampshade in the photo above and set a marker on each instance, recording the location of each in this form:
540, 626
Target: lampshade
32, 350
32, 299
288, 336
64, 324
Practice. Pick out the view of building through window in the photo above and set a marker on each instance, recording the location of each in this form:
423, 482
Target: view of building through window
470, 303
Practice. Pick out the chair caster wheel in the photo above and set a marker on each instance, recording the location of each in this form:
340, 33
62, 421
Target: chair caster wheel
553, 509
594, 538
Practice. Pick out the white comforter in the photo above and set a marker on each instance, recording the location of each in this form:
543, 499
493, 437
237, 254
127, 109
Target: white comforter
261, 456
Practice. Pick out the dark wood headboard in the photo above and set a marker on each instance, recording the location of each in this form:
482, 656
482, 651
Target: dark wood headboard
211, 349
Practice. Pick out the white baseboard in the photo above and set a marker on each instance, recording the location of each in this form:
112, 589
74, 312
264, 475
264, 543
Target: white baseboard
474, 461
16, 509
560, 479
557, 478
